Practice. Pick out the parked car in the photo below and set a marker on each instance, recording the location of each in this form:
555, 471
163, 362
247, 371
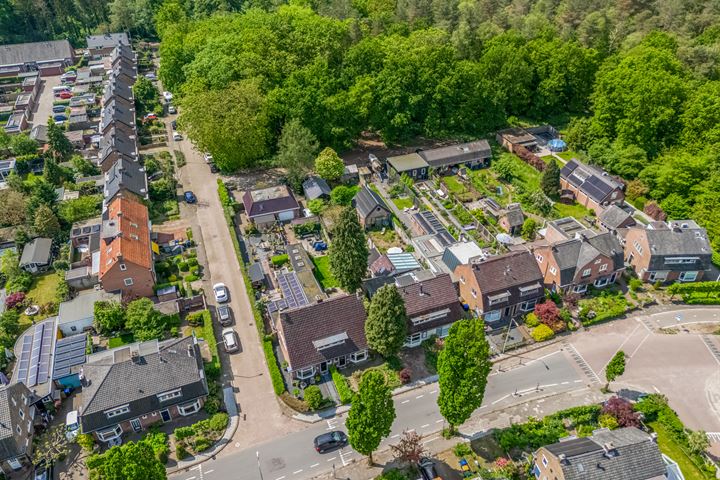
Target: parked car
177, 137
224, 316
151, 76
60, 117
231, 340
151, 116
214, 168
65, 95
173, 124
190, 197
427, 469
172, 109
167, 96
59, 108
221, 293
72, 425
330, 441
208, 158
43, 471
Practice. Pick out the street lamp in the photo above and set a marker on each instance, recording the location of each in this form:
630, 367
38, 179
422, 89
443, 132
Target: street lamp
257, 454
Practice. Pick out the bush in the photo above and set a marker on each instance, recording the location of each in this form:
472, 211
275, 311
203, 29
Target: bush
196, 319
218, 422
341, 385
279, 260
294, 403
405, 376
86, 442
635, 284
180, 452
531, 320
201, 443
14, 300
184, 432
183, 266
601, 308
313, 397
225, 197
193, 262
159, 443
275, 373
212, 405
608, 421
462, 450
393, 474
542, 333
192, 278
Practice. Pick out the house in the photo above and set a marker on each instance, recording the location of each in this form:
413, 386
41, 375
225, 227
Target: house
117, 115
562, 229
48, 58
256, 274
69, 352
123, 53
17, 416
316, 336
432, 306
394, 264
621, 454
36, 255
616, 221
573, 264
130, 388
501, 287
269, 205
125, 178
104, 44
411, 164
512, 218
512, 138
85, 249
462, 253
34, 348
77, 315
426, 223
316, 187
6, 168
590, 186
667, 252
473, 155
371, 208
114, 145
118, 89
126, 257
124, 71
16, 123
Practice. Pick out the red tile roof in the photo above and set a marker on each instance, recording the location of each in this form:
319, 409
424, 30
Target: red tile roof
132, 241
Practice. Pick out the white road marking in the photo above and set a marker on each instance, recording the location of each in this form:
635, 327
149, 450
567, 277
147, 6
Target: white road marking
578, 381
584, 361
191, 478
425, 426
439, 421
404, 401
419, 396
297, 471
411, 430
314, 465
711, 352
331, 459
428, 441
500, 399
639, 345
280, 478
395, 436
209, 471
540, 358
564, 383
549, 385
237, 444
656, 389
621, 346
342, 457
434, 391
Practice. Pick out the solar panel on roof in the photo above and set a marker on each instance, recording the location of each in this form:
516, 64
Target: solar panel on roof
69, 352
24, 361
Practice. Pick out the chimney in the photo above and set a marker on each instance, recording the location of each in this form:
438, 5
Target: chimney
561, 457
190, 351
422, 292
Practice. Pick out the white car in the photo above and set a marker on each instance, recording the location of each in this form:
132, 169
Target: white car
167, 96
151, 76
231, 340
72, 425
177, 137
221, 293
208, 158
172, 109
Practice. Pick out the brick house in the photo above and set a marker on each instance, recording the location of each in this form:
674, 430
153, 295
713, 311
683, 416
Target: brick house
501, 287
331, 332
590, 186
616, 221
571, 265
105, 43
270, 205
126, 257
371, 208
622, 454
666, 252
129, 388
119, 115
17, 416
117, 144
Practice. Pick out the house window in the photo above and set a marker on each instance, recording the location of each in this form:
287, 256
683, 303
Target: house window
117, 411
553, 270
601, 282
134, 237
638, 247
539, 258
688, 276
473, 293
128, 282
681, 260
109, 261
164, 397
189, 408
17, 429
462, 280
657, 276
529, 290
15, 464
413, 340
123, 267
304, 373
110, 433
544, 461
598, 261
492, 316
603, 267
527, 306
14, 401
580, 288
21, 413
359, 356
587, 272
430, 317
500, 298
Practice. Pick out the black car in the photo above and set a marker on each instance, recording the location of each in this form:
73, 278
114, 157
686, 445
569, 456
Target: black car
224, 315
174, 125
330, 441
427, 469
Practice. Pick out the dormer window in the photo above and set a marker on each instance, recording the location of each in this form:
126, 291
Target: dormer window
331, 341
117, 411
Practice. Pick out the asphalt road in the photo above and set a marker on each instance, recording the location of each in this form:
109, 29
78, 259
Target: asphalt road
292, 457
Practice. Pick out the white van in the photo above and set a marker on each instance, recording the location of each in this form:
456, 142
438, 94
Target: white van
60, 88
72, 425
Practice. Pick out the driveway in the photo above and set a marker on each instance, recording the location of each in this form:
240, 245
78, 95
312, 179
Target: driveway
260, 416
43, 108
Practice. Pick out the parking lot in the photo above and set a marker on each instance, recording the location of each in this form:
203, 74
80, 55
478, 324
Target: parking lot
43, 107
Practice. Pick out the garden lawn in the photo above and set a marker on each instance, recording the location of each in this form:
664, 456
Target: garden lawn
385, 239
121, 340
41, 293
403, 202
164, 210
575, 210
525, 175
322, 272
568, 155
671, 449
454, 185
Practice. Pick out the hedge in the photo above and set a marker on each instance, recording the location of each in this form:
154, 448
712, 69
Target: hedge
225, 197
705, 293
212, 368
275, 373
341, 385
280, 260
542, 333
602, 308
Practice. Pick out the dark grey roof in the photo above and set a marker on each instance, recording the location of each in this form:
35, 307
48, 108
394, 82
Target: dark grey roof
596, 183
69, 352
107, 40
122, 52
114, 378
117, 140
457, 154
11, 445
508, 273
315, 187
118, 86
685, 239
614, 217
37, 251
431, 295
114, 111
515, 216
20, 53
127, 176
269, 201
367, 200
631, 455
430, 225
336, 316
574, 254
39, 133
256, 272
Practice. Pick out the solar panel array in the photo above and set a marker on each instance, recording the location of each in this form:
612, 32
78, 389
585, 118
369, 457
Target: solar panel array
24, 361
276, 305
34, 363
292, 290
69, 352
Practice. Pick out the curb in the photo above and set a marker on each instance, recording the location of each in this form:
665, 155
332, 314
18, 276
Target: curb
207, 455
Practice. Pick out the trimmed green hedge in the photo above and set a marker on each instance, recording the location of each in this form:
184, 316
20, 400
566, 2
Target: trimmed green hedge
275, 373
225, 197
604, 307
699, 293
279, 260
212, 368
341, 385
542, 333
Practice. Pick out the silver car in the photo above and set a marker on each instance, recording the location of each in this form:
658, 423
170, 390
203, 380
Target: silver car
224, 315
231, 340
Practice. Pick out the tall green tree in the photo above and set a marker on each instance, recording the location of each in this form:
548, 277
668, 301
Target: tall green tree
297, 147
52, 172
329, 165
386, 324
22, 144
45, 222
371, 414
60, 146
550, 181
615, 368
130, 461
463, 368
143, 320
146, 96
109, 316
348, 251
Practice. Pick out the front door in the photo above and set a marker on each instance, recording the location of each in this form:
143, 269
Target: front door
165, 414
323, 367
341, 362
135, 424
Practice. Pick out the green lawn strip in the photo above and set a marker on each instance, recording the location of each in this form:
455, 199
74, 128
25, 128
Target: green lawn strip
41, 293
322, 272
575, 210
403, 202
568, 155
120, 340
454, 185
670, 448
